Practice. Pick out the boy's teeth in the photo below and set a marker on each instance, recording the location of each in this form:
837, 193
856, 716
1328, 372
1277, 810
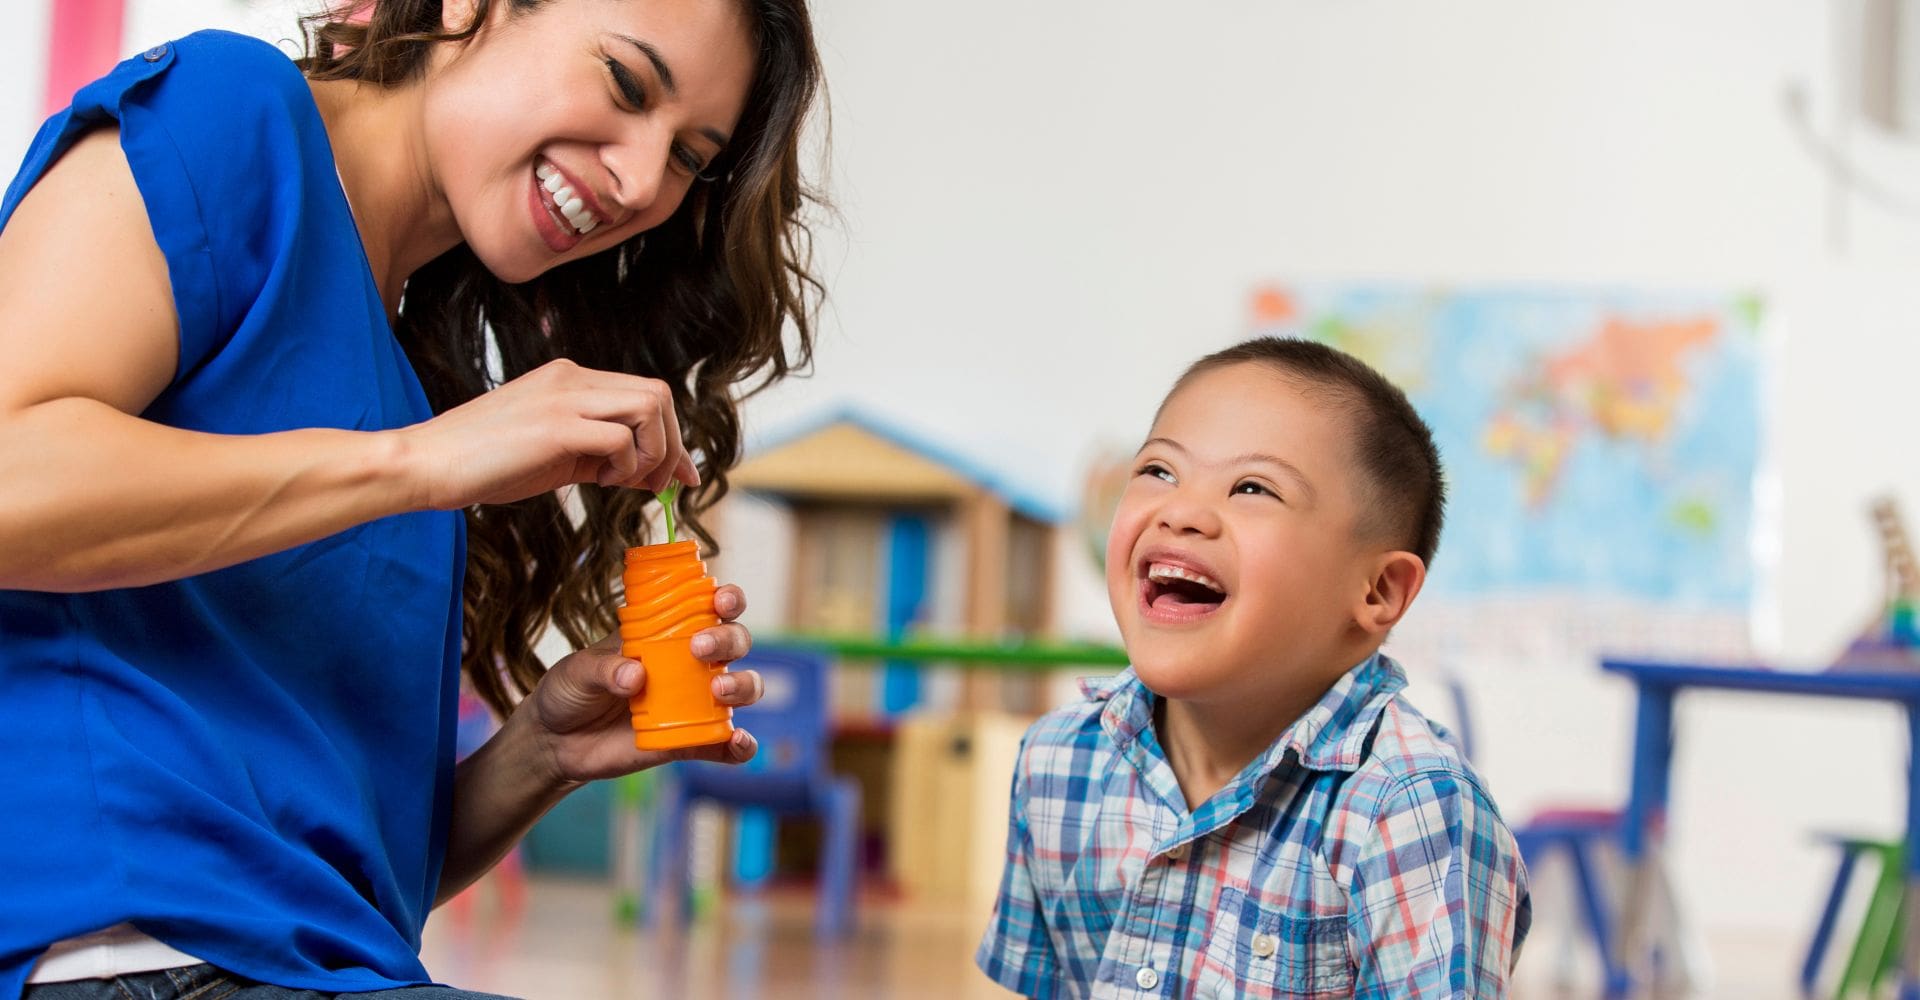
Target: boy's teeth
1162, 571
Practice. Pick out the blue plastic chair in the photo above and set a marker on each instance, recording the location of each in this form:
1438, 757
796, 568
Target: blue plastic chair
1578, 834
790, 777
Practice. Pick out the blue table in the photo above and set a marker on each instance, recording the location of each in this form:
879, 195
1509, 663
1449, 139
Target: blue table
1658, 683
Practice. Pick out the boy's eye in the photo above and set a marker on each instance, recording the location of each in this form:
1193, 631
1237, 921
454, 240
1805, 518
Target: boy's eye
1155, 470
1251, 488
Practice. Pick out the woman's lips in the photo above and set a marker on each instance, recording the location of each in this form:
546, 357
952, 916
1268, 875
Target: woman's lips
554, 232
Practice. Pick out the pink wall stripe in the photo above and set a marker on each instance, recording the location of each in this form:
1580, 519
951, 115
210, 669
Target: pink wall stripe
85, 44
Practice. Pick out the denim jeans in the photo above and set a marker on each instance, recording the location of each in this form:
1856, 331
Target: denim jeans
204, 982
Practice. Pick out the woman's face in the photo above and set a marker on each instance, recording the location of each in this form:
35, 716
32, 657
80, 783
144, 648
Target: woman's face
563, 131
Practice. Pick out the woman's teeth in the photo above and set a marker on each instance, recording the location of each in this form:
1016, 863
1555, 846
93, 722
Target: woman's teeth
564, 201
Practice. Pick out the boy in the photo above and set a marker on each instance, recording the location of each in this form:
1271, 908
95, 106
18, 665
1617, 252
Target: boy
1252, 810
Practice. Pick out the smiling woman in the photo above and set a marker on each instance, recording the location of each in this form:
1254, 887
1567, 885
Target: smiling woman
370, 311
643, 112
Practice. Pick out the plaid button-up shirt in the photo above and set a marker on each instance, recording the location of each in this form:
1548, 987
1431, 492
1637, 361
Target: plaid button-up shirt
1358, 857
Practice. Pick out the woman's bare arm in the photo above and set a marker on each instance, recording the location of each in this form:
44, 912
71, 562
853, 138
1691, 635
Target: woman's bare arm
92, 496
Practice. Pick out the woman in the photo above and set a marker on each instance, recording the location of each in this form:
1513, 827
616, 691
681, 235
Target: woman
270, 484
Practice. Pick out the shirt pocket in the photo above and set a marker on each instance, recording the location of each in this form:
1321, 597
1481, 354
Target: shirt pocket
1264, 951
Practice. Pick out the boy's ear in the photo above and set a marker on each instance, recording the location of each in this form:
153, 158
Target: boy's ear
1397, 578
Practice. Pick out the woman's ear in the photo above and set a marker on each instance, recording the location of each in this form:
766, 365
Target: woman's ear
457, 15
1397, 578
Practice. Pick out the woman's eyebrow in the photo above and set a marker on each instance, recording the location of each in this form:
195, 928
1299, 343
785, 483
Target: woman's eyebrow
665, 74
659, 64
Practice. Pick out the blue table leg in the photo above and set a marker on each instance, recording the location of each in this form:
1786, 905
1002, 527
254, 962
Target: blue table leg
1910, 944
1646, 803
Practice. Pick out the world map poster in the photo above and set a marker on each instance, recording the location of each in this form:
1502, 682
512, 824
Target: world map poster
1600, 447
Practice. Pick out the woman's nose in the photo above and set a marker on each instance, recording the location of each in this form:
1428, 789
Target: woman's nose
637, 170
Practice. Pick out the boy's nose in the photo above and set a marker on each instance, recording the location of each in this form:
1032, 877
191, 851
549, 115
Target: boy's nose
1185, 515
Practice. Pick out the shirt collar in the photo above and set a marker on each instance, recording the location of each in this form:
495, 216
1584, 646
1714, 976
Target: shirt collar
1330, 736
1333, 734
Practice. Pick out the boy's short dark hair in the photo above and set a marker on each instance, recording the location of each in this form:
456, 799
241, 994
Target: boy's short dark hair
1404, 490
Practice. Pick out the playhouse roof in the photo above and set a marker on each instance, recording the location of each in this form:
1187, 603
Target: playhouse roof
851, 455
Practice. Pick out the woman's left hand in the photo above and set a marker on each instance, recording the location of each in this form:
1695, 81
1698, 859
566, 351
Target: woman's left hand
579, 710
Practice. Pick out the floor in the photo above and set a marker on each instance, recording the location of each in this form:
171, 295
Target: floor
567, 944
563, 942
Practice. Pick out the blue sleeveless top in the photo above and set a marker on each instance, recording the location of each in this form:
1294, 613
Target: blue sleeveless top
252, 765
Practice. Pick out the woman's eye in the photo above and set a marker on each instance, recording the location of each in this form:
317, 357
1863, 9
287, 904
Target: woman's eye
1156, 471
691, 163
629, 86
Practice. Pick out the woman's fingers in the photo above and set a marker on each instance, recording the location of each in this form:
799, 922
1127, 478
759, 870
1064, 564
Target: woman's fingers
551, 427
651, 445
586, 687
633, 431
674, 454
646, 407
653, 453
738, 688
729, 602
722, 643
737, 750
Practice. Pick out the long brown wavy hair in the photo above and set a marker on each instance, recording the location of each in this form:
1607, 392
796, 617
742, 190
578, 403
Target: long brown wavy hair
702, 301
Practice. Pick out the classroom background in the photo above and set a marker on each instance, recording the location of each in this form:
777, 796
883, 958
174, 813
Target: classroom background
1651, 269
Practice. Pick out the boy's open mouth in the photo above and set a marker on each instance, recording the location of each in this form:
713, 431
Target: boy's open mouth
1172, 592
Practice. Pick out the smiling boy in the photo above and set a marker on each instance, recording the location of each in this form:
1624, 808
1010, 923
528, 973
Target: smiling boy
1253, 809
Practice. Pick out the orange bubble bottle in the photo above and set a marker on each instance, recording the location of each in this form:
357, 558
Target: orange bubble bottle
669, 598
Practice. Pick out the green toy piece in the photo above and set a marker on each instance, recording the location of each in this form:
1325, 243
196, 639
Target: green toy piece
666, 498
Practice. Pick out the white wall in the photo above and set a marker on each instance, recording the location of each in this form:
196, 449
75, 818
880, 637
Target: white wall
1048, 208
1065, 202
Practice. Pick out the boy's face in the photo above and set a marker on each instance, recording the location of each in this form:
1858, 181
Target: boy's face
1234, 565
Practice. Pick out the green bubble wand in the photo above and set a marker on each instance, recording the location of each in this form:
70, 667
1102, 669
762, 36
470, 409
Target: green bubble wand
666, 498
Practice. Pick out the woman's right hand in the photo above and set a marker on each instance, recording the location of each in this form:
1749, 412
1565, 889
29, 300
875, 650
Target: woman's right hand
557, 425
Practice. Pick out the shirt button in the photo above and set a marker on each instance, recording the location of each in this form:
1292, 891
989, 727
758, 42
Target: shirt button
1264, 945
1178, 852
1146, 978
155, 54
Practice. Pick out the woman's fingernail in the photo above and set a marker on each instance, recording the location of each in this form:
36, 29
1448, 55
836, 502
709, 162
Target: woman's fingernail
728, 685
702, 646
626, 675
